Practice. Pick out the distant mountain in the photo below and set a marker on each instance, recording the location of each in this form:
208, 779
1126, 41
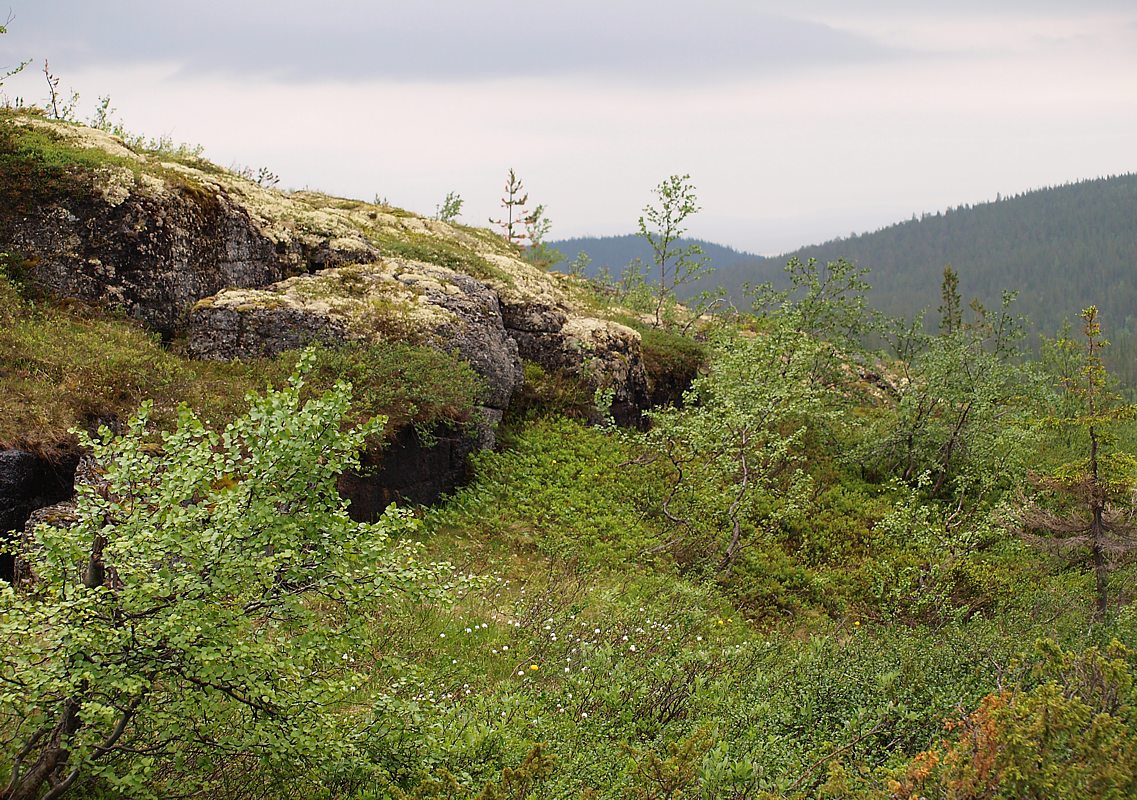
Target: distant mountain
1061, 248
614, 253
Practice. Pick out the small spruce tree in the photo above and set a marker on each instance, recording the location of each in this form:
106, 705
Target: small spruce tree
1086, 505
513, 222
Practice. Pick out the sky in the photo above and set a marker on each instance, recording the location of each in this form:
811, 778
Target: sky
798, 121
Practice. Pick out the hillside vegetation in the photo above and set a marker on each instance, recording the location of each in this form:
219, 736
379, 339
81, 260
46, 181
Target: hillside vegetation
820, 572
1060, 249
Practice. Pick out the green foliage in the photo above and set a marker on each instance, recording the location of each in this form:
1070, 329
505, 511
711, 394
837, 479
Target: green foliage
734, 451
782, 589
654, 776
828, 304
67, 367
1070, 736
537, 227
1087, 504
826, 301
962, 401
662, 226
951, 311
672, 361
450, 208
561, 489
407, 384
440, 251
551, 394
206, 608
38, 166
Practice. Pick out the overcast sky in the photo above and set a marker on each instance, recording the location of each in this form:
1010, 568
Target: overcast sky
798, 121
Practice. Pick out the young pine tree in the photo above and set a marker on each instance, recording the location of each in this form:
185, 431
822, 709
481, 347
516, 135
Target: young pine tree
1086, 505
513, 222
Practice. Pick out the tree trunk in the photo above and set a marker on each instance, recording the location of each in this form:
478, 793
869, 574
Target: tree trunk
1101, 569
48, 768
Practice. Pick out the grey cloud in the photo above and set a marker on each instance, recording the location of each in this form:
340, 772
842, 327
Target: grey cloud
638, 40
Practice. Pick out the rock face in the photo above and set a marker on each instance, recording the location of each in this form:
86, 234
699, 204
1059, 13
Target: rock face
29, 482
249, 271
391, 299
604, 353
125, 237
411, 469
152, 256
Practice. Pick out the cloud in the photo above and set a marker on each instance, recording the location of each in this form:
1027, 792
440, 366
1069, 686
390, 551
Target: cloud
642, 41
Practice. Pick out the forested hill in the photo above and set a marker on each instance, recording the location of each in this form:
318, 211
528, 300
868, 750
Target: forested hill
1061, 249
613, 253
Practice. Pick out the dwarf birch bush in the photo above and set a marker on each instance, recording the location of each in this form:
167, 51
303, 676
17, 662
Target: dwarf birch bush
735, 450
205, 616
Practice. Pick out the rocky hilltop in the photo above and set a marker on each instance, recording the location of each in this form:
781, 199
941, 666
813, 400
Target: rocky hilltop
230, 269
245, 270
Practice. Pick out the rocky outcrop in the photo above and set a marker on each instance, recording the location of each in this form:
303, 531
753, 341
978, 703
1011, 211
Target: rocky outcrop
124, 237
389, 300
604, 354
153, 237
29, 482
248, 271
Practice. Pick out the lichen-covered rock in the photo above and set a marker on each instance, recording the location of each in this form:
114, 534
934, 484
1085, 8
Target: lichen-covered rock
265, 271
150, 255
605, 354
391, 299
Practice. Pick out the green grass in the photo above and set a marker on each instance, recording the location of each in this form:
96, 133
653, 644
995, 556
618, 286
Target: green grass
562, 489
443, 252
65, 366
38, 166
672, 361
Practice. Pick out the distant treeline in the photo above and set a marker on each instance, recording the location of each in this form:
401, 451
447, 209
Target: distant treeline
1061, 249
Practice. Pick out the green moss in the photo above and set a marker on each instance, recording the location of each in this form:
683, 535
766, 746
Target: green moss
65, 366
341, 282
549, 395
488, 237
406, 383
672, 361
202, 195
443, 252
38, 166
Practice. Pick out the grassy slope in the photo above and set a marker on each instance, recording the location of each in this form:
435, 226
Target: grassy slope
611, 655
626, 661
66, 366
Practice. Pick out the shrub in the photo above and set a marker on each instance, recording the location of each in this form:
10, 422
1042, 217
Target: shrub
672, 362
1072, 736
202, 618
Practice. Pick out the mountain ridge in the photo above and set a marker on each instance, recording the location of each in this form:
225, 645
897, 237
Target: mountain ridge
1059, 248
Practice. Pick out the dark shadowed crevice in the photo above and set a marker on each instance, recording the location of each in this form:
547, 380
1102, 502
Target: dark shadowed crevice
28, 482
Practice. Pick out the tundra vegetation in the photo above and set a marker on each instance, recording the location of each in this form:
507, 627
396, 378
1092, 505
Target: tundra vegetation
829, 571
